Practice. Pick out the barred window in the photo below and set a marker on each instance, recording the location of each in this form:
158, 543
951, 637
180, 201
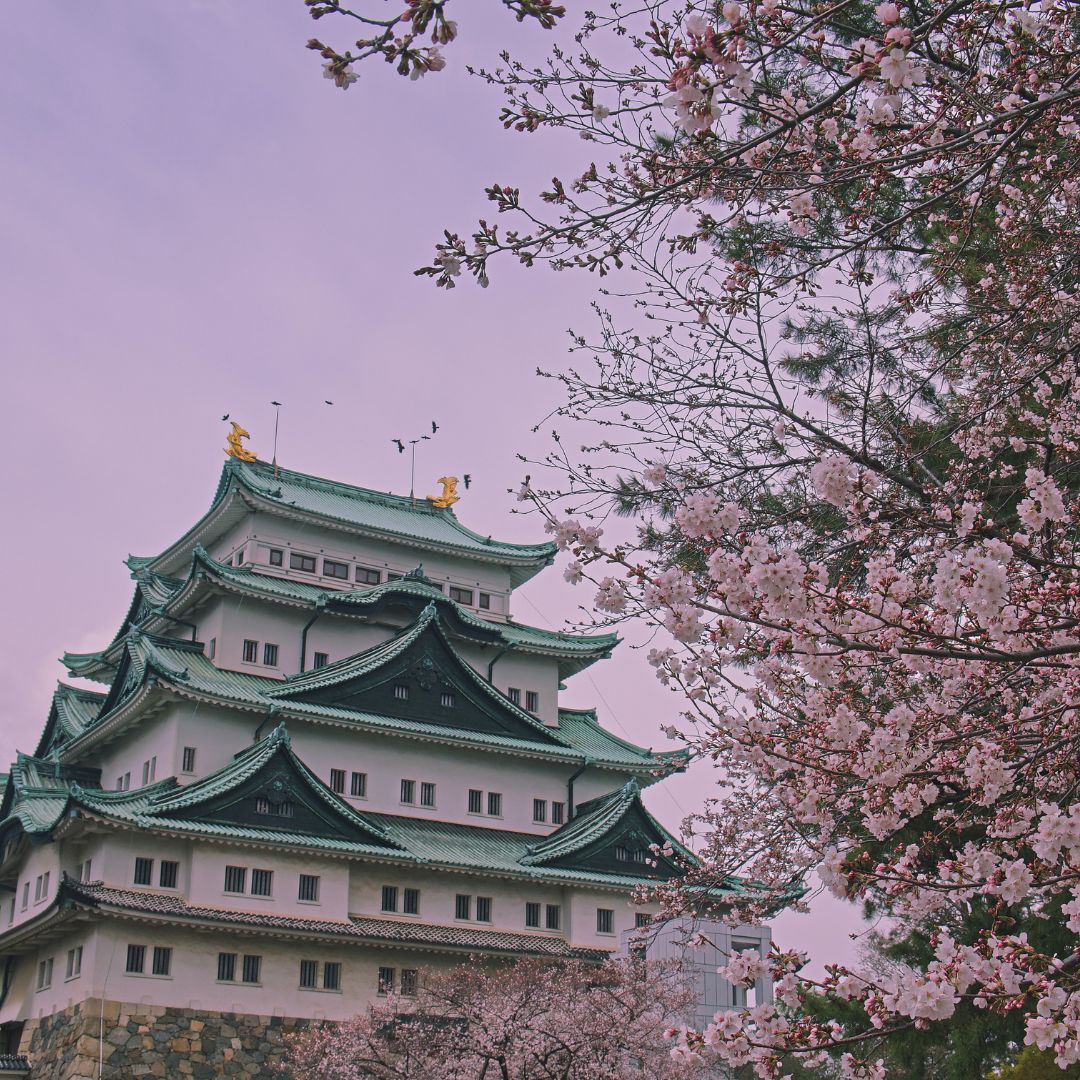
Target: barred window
540, 810
447, 699
309, 888
410, 902
262, 882
401, 692
553, 916
359, 785
408, 791
251, 651
226, 967
144, 871
410, 982
161, 964
483, 909
476, 801
386, 980
321, 660
532, 701
235, 879
389, 898
558, 813
494, 804
331, 979
136, 959
462, 906
605, 921
532, 916
270, 655
188, 762
168, 872
427, 794
337, 781
309, 973
514, 694
252, 969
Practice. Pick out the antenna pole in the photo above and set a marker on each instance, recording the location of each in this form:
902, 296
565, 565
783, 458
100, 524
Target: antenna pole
412, 474
277, 417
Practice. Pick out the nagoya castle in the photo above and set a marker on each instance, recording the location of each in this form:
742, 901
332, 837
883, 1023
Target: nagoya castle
323, 757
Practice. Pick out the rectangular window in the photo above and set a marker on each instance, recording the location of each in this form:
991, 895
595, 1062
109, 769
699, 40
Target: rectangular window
386, 980
168, 871
252, 969
251, 651
11, 912
494, 804
641, 919
187, 762
483, 909
119, 783
309, 888
552, 916
337, 781
270, 655
126, 782
532, 916
410, 982
235, 879
144, 871
333, 568
41, 887
622, 854
369, 577
136, 959
408, 791
605, 920
305, 563
558, 813
540, 810
389, 898
161, 964
427, 794
461, 596
226, 966
485, 601
462, 906
447, 699
476, 801
275, 558
411, 902
74, 962
85, 870
25, 895
401, 692
391, 576
532, 701
211, 649
331, 976
145, 773
321, 660
262, 882
514, 694
309, 973
358, 790
44, 974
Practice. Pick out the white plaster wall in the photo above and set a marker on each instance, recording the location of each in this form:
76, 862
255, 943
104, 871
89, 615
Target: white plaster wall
62, 991
39, 859
153, 736
583, 904
438, 893
207, 882
193, 982
254, 534
387, 761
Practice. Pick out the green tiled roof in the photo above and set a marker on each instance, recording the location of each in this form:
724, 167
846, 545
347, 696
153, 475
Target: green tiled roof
374, 513
73, 711
197, 675
157, 594
594, 820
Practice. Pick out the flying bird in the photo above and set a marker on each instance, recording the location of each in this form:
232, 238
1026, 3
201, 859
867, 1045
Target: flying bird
278, 403
468, 480
399, 444
327, 402
225, 417
434, 427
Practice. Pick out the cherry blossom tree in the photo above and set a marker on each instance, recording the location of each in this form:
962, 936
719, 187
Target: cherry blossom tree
835, 380
530, 1020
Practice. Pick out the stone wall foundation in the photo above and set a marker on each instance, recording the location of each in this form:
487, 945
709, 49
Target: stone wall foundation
111, 1040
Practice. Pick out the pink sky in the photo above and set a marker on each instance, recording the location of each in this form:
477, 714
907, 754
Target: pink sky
195, 223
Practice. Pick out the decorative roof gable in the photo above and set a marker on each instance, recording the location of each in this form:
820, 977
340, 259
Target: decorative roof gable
73, 711
267, 786
416, 675
613, 834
